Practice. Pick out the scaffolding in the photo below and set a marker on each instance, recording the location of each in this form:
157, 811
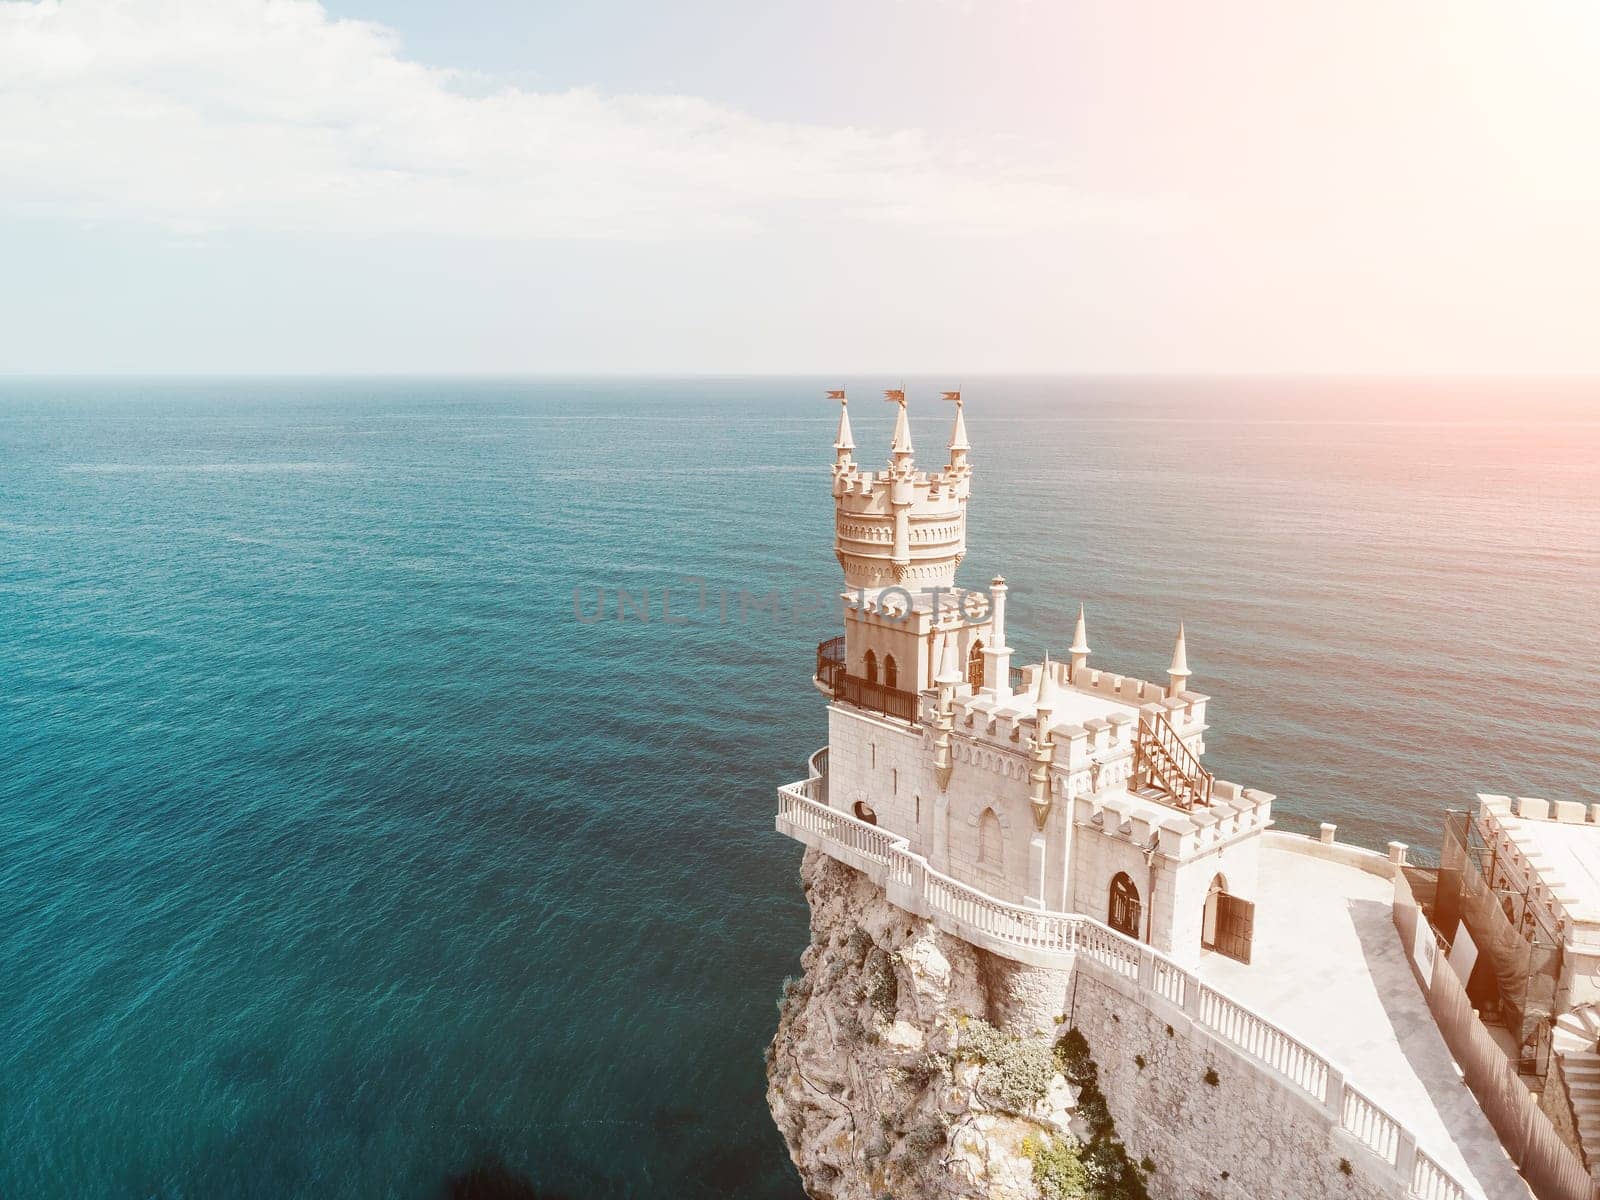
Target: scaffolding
1513, 983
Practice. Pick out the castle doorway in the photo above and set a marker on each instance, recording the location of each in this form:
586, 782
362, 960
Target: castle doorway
1208, 923
1229, 923
1123, 911
864, 812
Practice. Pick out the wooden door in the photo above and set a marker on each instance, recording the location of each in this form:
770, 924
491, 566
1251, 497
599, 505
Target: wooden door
1236, 926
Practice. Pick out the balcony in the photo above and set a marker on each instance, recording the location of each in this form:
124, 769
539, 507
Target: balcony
834, 680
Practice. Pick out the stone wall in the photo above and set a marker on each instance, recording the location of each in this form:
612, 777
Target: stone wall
1556, 1103
1248, 1136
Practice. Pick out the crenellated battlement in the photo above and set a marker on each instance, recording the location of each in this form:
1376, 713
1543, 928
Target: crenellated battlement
900, 526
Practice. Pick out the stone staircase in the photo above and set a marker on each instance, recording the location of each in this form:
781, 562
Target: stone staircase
1574, 1039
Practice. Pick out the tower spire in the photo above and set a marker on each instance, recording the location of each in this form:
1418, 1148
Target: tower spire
900, 444
1178, 673
1080, 646
958, 436
845, 441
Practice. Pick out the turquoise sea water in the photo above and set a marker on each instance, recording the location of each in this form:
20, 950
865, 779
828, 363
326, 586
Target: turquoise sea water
339, 858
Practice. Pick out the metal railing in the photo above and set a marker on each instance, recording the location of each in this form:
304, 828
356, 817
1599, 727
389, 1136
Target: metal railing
996, 925
833, 676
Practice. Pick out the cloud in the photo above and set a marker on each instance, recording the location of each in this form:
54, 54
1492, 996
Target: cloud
268, 114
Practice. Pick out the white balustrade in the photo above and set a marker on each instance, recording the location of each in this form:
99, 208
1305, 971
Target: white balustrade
1370, 1125
996, 925
1430, 1181
1260, 1038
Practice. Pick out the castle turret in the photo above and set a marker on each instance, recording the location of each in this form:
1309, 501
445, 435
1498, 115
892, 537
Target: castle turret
845, 441
958, 436
997, 657
900, 527
1080, 647
1178, 672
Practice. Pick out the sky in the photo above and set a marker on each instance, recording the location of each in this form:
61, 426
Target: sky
1250, 186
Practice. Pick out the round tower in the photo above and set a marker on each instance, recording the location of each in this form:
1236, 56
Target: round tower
901, 527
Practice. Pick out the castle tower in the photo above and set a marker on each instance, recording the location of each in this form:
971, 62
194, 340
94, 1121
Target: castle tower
900, 527
899, 534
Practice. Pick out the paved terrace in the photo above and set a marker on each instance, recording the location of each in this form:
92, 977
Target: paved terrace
1328, 967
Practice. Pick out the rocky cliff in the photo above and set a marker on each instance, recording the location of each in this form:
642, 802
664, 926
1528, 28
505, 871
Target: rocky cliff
909, 1064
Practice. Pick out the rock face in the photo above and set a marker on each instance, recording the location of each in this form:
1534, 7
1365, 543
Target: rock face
897, 1069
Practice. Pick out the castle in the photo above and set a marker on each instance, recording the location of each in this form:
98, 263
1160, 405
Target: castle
1057, 823
1059, 786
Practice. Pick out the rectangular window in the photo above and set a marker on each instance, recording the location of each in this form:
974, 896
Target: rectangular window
894, 782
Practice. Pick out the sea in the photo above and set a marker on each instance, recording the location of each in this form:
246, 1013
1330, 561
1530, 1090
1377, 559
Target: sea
387, 765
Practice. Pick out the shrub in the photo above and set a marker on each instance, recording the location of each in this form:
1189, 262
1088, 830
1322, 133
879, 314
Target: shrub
1017, 1071
1345, 1168
1212, 1077
1138, 1061
883, 991
926, 1138
1058, 1167
858, 941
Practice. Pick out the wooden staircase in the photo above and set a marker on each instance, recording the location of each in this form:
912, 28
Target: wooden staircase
1167, 765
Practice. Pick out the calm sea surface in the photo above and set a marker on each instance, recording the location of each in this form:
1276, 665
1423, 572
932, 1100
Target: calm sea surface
338, 858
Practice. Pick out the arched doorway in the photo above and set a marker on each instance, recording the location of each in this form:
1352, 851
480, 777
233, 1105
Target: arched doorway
863, 812
1123, 911
975, 665
891, 673
872, 667
1208, 923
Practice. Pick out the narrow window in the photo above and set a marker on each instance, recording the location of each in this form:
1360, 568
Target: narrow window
975, 665
991, 837
890, 673
894, 782
872, 667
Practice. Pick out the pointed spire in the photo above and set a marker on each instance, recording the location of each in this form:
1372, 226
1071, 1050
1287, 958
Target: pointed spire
846, 441
958, 436
1178, 672
1080, 636
1044, 693
900, 444
949, 664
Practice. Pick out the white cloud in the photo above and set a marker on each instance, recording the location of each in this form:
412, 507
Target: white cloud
268, 114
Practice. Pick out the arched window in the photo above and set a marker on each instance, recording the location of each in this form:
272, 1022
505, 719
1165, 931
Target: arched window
991, 839
1208, 925
864, 812
975, 665
891, 674
872, 667
1123, 915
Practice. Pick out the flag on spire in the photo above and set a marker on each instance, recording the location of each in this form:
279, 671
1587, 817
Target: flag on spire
839, 395
956, 396
900, 445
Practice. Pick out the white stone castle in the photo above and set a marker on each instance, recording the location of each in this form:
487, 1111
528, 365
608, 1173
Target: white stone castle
1059, 786
1059, 815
